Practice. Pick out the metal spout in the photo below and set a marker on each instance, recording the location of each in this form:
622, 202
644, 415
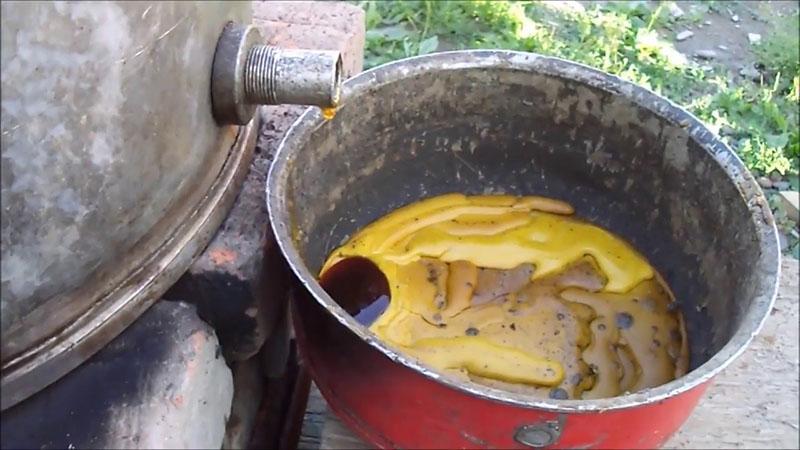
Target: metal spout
246, 74
276, 76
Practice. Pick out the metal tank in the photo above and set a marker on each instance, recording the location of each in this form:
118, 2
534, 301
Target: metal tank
126, 131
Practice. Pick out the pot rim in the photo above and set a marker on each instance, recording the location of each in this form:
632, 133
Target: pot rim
767, 265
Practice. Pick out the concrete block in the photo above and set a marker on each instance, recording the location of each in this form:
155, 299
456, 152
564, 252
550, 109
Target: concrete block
162, 383
791, 203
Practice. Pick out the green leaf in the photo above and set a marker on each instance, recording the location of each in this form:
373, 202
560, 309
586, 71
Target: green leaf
407, 48
428, 45
778, 141
372, 16
393, 33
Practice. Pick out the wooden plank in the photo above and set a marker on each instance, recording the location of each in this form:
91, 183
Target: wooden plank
752, 404
283, 408
791, 203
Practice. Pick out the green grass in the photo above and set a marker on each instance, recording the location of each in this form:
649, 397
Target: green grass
631, 39
780, 52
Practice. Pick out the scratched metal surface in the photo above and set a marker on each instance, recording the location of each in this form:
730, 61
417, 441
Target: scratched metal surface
113, 171
103, 133
752, 403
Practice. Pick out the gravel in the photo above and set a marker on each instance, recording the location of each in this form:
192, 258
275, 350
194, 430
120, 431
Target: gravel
675, 11
706, 54
782, 185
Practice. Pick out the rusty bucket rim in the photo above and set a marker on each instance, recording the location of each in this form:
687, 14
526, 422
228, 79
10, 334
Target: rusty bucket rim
768, 264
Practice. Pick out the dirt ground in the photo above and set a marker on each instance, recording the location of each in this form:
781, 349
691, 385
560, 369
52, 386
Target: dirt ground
724, 29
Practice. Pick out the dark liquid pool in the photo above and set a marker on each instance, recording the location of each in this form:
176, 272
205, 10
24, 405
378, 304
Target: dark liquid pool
358, 286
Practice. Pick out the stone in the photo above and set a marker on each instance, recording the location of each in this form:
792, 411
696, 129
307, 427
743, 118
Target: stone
234, 281
734, 18
775, 176
750, 72
722, 47
727, 130
783, 241
791, 204
782, 185
764, 182
675, 11
707, 23
684, 35
754, 38
706, 54
162, 383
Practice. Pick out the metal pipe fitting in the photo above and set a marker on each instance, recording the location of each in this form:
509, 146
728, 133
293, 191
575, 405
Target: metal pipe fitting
276, 76
246, 74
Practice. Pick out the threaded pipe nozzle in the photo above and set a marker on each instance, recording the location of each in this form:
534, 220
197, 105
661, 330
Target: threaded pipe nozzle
285, 76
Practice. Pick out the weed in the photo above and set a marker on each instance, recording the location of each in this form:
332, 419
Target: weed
779, 54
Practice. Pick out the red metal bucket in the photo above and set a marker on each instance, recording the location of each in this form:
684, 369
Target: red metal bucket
517, 123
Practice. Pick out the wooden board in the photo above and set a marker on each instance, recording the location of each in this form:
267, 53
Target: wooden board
752, 404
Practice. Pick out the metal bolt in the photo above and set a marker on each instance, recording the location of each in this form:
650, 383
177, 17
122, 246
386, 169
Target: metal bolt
536, 437
541, 434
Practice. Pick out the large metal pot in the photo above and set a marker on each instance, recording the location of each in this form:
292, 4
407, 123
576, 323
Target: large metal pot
505, 122
109, 147
121, 155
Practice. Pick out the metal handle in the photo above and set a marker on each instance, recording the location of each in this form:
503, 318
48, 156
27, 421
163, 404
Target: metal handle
246, 73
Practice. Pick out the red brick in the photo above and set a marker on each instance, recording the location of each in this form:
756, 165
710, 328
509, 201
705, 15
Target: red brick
315, 25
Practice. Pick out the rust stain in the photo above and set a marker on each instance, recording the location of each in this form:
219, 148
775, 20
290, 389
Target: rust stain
196, 340
222, 256
231, 132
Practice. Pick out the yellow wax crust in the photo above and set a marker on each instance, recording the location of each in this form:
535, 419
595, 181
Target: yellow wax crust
515, 293
499, 232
